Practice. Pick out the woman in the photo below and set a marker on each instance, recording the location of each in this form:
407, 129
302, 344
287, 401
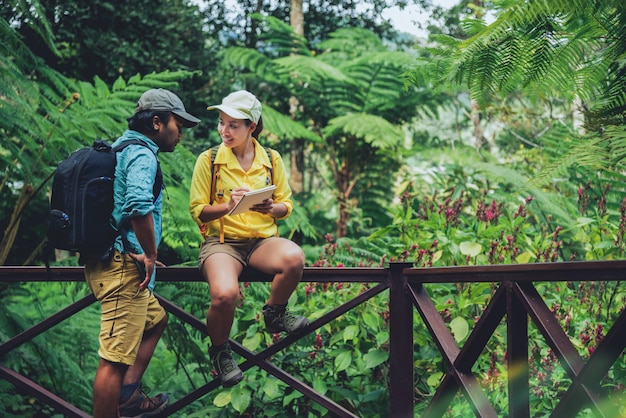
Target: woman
233, 242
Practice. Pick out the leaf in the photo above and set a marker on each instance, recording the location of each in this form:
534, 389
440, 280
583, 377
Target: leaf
471, 249
270, 387
434, 379
374, 130
523, 258
222, 399
320, 385
580, 222
459, 328
343, 360
350, 332
240, 399
371, 320
253, 342
375, 357
293, 395
382, 337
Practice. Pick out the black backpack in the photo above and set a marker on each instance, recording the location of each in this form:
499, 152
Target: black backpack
82, 200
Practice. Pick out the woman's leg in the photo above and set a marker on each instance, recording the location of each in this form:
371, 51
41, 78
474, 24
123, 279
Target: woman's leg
283, 259
222, 273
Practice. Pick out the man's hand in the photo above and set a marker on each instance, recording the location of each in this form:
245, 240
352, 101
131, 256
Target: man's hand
144, 230
148, 263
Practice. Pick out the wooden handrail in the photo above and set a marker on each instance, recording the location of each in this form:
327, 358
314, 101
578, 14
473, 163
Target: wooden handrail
515, 300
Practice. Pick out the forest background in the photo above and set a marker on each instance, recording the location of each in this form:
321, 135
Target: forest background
488, 142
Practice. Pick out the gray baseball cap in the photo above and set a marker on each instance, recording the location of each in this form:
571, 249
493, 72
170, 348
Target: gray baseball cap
161, 99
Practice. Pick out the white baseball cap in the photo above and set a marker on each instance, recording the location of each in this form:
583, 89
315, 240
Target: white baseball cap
240, 104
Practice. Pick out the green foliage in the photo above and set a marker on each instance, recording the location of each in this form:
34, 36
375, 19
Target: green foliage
350, 102
59, 126
74, 345
545, 51
525, 70
467, 218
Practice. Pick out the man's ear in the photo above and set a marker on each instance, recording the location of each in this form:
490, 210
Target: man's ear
156, 122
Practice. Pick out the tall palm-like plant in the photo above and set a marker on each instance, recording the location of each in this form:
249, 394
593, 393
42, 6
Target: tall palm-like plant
33, 99
352, 103
548, 51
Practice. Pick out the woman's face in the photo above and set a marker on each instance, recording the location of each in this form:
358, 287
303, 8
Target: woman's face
234, 132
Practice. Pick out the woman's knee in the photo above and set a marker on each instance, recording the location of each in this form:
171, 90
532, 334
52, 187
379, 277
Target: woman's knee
225, 299
293, 258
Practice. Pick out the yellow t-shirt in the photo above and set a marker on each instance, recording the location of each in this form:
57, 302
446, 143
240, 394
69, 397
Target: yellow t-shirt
232, 176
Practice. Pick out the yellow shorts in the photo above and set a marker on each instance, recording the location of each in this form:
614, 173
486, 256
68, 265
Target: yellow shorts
126, 312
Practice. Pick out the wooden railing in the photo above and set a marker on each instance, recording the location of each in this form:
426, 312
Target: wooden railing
515, 301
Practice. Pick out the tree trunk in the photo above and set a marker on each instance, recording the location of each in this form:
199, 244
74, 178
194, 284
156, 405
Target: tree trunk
479, 135
344, 189
578, 116
296, 177
296, 16
14, 224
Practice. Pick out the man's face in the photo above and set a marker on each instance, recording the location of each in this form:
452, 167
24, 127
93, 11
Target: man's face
169, 134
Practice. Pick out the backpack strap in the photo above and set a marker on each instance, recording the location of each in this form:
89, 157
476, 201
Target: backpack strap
219, 193
215, 174
271, 169
156, 187
158, 180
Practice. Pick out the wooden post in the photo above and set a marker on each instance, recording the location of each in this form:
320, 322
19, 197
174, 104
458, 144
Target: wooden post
400, 344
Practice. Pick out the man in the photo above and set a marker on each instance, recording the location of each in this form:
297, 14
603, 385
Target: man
132, 319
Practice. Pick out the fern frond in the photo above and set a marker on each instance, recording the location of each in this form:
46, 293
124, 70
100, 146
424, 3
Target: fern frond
303, 69
282, 128
278, 37
375, 130
350, 43
587, 153
249, 59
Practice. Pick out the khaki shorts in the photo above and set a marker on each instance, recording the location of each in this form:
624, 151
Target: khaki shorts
239, 249
126, 312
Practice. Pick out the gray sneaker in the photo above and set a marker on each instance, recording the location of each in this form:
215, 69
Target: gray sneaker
278, 319
226, 366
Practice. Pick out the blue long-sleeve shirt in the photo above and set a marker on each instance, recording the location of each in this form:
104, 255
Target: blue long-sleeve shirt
133, 196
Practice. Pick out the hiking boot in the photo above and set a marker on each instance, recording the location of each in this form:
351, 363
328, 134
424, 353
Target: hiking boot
139, 405
278, 318
227, 368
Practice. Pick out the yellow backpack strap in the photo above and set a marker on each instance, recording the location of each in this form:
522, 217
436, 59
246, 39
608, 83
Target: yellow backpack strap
215, 174
270, 180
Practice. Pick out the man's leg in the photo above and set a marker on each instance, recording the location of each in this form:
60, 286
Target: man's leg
146, 349
106, 388
134, 402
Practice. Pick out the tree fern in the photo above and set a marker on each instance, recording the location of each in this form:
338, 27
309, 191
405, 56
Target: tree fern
44, 116
548, 50
374, 130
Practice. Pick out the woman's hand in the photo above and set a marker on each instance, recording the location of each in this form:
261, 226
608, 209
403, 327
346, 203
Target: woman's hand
236, 195
264, 207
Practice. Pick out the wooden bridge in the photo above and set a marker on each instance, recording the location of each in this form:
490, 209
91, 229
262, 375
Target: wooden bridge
515, 300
